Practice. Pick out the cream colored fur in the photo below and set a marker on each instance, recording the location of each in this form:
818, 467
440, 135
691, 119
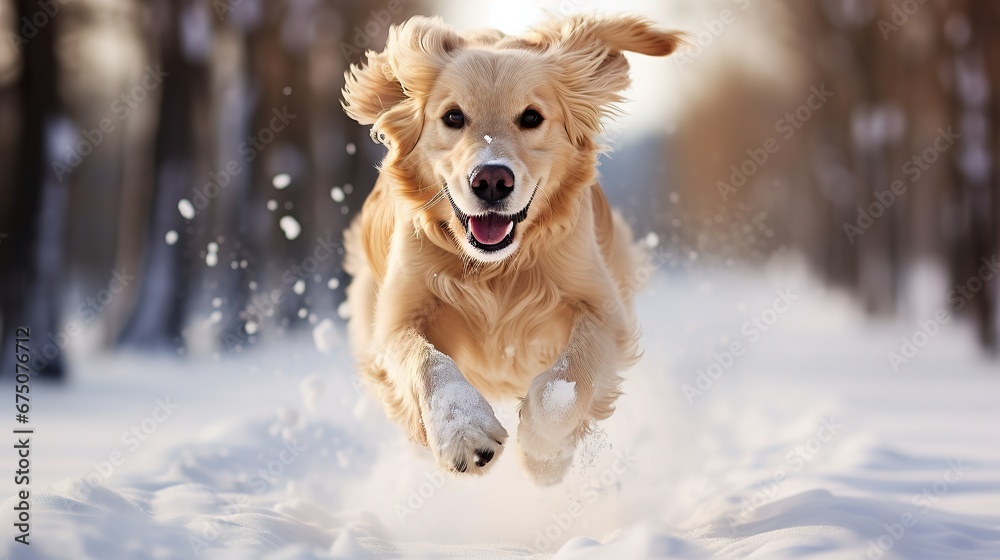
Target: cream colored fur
438, 326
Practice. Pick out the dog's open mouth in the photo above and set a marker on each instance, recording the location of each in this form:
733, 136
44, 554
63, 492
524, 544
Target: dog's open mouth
490, 232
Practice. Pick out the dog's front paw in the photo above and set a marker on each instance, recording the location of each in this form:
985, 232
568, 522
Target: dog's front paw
462, 431
552, 422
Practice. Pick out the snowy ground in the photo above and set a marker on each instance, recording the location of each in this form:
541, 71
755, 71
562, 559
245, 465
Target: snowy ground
807, 445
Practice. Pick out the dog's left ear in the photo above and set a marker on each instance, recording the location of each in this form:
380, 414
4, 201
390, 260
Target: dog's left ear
589, 50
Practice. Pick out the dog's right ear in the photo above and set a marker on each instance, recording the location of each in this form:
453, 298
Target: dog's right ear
370, 89
388, 90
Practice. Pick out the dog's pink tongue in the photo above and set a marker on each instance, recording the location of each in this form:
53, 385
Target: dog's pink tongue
490, 229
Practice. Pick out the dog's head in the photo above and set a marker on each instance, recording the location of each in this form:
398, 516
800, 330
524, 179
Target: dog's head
491, 136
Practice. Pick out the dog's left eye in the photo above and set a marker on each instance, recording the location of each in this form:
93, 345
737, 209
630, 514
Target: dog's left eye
454, 119
531, 119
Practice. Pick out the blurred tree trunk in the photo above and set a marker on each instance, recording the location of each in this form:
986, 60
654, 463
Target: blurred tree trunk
878, 256
31, 257
280, 68
165, 278
992, 40
255, 226
843, 169
975, 172
294, 65
984, 177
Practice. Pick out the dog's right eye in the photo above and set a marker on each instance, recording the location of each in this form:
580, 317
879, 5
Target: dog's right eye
454, 119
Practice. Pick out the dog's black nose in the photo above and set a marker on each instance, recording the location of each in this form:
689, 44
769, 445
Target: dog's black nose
492, 183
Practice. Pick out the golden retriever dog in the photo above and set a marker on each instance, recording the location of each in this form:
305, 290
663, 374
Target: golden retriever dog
486, 262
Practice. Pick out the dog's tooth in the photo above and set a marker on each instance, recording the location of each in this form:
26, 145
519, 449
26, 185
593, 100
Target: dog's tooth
510, 228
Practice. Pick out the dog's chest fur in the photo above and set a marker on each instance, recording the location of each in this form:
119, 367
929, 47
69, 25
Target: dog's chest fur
503, 336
